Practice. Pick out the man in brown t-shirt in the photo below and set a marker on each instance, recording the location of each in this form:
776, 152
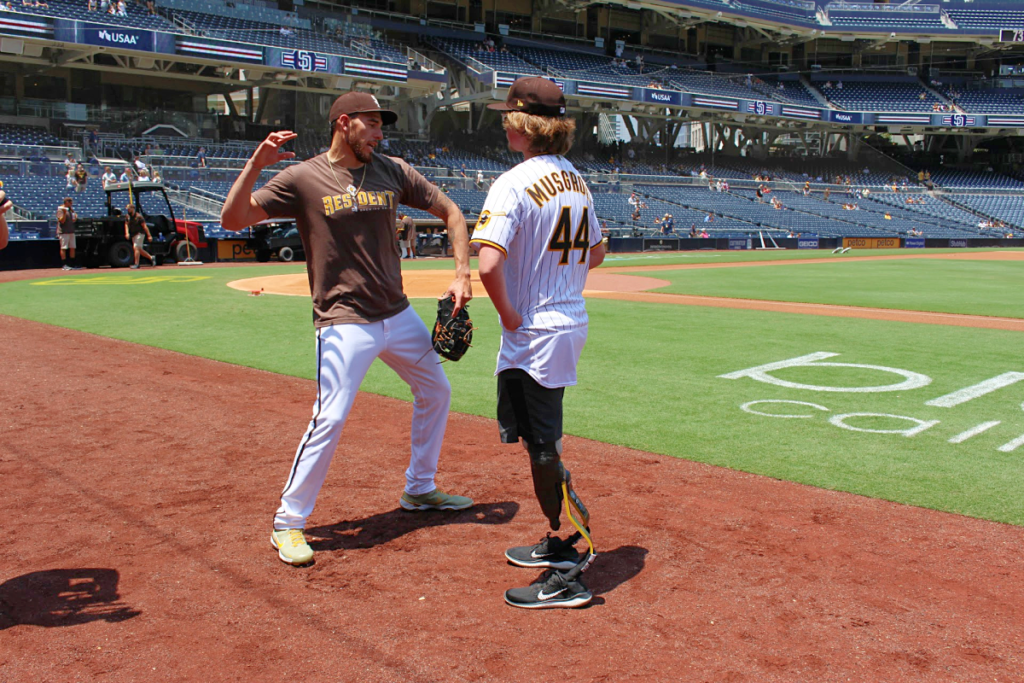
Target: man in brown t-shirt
406, 235
344, 203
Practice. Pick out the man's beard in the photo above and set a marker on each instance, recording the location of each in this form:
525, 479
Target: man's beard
360, 149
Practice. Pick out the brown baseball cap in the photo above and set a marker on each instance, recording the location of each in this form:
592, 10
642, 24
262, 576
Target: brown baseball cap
533, 95
360, 103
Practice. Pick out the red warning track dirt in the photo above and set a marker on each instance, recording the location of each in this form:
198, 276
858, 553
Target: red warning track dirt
138, 506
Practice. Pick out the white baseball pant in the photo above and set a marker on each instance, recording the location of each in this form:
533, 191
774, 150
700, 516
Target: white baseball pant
344, 355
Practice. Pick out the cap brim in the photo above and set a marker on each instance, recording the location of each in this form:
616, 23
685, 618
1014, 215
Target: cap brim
500, 106
387, 117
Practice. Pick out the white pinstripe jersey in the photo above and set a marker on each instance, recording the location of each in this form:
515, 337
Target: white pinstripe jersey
541, 216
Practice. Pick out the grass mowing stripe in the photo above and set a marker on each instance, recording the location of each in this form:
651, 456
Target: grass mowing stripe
650, 379
941, 286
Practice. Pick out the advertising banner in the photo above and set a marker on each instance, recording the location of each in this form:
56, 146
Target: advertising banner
736, 243
666, 97
872, 242
961, 244
303, 60
234, 250
116, 36
913, 243
846, 117
807, 243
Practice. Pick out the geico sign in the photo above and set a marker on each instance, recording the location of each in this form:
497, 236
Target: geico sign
905, 380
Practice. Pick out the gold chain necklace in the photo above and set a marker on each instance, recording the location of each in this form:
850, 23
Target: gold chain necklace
330, 164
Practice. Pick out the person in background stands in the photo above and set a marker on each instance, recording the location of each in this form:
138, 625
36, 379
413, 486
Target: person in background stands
126, 175
201, 157
81, 178
108, 176
66, 218
5, 206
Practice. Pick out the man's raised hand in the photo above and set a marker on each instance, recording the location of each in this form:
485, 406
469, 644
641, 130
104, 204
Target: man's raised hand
269, 152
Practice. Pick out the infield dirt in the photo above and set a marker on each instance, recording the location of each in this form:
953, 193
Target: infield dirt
139, 488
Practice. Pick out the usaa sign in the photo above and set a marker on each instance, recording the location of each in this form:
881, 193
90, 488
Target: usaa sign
109, 36
665, 97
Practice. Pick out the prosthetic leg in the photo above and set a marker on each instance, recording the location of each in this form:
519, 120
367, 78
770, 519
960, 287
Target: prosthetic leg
552, 483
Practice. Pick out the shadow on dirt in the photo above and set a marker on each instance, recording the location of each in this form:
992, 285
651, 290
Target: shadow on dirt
387, 526
62, 597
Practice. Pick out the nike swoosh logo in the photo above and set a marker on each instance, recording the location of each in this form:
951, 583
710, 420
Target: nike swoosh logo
535, 556
541, 595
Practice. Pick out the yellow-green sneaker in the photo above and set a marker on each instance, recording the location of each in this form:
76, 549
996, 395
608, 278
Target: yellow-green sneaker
291, 546
435, 500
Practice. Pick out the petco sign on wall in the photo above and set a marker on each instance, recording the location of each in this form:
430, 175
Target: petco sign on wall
111, 36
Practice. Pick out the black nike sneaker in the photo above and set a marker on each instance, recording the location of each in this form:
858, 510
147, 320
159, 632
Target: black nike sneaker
550, 552
554, 591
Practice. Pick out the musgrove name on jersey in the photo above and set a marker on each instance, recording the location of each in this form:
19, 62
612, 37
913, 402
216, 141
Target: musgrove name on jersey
550, 185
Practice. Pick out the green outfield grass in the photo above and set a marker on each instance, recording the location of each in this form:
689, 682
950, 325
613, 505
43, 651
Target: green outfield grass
665, 258
650, 377
943, 286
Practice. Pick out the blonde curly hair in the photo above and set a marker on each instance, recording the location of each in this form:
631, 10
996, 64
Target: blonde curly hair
547, 135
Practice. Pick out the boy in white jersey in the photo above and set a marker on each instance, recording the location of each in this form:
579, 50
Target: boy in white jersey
539, 235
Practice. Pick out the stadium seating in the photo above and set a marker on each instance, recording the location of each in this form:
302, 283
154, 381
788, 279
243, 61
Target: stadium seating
465, 50
137, 16
994, 101
259, 33
993, 19
877, 96
915, 18
12, 134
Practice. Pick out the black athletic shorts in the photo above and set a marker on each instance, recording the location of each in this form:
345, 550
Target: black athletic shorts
528, 410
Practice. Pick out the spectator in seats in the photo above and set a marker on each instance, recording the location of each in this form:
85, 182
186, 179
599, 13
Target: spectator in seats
704, 233
66, 218
633, 200
151, 7
839, 85
782, 86
122, 8
134, 229
693, 230
81, 178
156, 176
201, 157
108, 176
922, 97
639, 61
668, 225
92, 6
69, 179
5, 206
709, 218
144, 176
636, 215
504, 48
828, 85
70, 163
138, 163
126, 175
828, 192
749, 80
480, 179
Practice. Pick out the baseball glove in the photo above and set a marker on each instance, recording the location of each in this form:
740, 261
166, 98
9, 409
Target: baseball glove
452, 335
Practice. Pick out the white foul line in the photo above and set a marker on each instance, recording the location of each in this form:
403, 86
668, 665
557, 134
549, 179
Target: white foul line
974, 431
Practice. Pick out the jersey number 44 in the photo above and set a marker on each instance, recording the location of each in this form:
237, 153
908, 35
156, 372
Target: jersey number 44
563, 240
